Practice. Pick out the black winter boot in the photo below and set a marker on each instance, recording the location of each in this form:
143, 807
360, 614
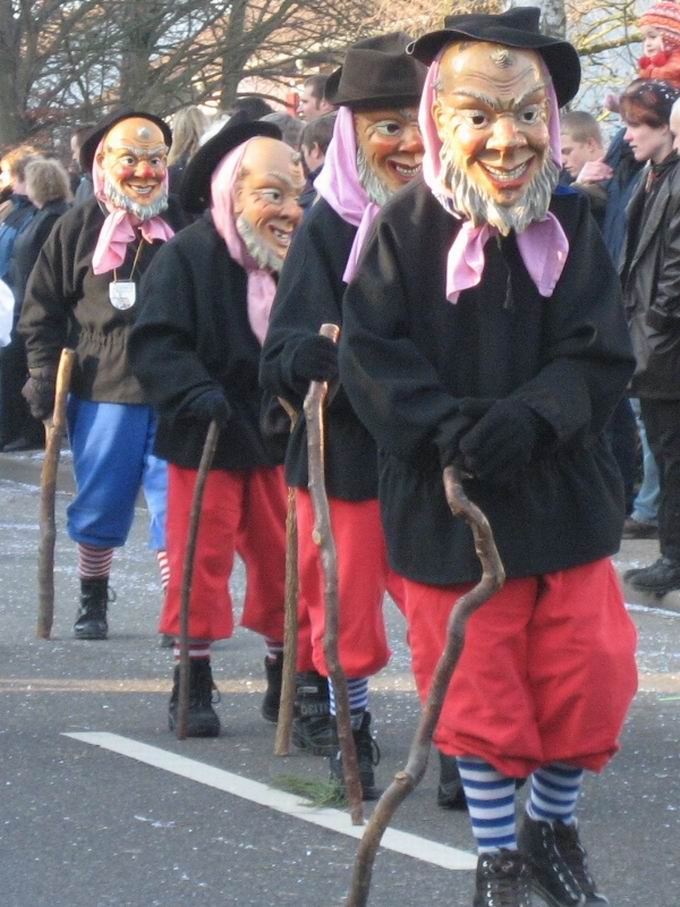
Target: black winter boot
202, 719
552, 877
503, 880
663, 576
313, 728
368, 755
272, 697
576, 858
450, 794
91, 617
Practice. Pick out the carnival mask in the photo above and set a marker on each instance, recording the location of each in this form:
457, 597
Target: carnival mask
266, 200
492, 113
133, 159
389, 150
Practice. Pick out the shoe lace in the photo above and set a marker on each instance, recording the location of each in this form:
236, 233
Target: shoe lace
505, 886
574, 855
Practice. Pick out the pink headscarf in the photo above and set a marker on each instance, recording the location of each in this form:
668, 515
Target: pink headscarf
261, 285
340, 185
543, 245
118, 229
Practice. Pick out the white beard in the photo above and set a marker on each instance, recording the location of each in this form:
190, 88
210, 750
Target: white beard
375, 189
144, 212
474, 204
265, 257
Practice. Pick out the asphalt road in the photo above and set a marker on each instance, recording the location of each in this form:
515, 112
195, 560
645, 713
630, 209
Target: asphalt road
83, 826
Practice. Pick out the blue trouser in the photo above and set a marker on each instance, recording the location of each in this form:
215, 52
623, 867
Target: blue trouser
646, 504
112, 447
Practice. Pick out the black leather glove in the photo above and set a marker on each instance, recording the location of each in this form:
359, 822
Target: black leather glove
209, 405
38, 392
316, 359
503, 440
451, 430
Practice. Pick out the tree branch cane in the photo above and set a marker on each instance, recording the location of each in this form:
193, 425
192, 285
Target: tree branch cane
290, 624
323, 538
54, 433
493, 577
207, 456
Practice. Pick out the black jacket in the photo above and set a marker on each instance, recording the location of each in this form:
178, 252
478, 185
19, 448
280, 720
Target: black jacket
650, 275
28, 245
66, 304
192, 334
407, 357
310, 293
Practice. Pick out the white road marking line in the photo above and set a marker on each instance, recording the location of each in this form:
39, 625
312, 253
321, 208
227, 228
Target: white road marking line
291, 804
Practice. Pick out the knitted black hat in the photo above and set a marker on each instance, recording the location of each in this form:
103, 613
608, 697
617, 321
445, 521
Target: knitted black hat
377, 72
94, 137
517, 27
194, 190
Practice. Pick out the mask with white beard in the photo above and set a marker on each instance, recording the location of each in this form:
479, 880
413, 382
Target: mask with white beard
122, 201
467, 199
375, 189
264, 256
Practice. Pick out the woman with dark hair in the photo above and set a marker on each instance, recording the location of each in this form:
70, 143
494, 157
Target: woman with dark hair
48, 189
650, 275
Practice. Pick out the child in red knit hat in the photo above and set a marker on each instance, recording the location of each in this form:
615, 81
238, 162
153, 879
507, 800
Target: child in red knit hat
660, 28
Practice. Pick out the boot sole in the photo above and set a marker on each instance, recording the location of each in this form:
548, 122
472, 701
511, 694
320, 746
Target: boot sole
90, 635
550, 899
197, 732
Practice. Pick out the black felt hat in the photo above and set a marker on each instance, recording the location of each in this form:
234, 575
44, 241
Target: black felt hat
517, 27
94, 137
377, 72
194, 190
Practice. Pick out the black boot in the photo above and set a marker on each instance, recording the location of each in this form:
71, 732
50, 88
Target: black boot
574, 853
272, 697
91, 617
313, 728
552, 877
450, 793
503, 880
202, 720
368, 755
662, 577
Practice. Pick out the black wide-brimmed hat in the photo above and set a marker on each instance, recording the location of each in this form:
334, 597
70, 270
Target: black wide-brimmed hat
97, 133
194, 190
517, 27
377, 72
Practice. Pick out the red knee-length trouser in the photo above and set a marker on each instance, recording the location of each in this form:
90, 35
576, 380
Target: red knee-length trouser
547, 672
363, 577
243, 511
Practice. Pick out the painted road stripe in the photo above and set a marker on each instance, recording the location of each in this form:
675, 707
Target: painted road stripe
290, 804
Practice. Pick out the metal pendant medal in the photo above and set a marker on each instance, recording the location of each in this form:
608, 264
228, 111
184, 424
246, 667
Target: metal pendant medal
123, 294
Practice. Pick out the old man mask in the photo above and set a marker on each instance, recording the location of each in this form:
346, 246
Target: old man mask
492, 114
133, 160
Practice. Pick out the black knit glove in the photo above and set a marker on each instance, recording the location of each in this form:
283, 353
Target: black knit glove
316, 359
451, 430
502, 441
209, 405
38, 392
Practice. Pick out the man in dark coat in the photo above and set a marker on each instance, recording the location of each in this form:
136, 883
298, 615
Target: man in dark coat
196, 350
485, 329
376, 149
82, 293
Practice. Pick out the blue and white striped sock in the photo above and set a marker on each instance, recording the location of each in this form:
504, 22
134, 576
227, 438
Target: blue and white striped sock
491, 804
357, 690
554, 792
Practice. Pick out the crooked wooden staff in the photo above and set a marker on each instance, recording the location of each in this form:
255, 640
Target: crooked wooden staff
54, 433
207, 456
290, 624
323, 538
493, 577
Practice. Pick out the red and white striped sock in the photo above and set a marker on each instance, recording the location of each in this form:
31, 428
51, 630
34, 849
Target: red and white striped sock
94, 563
198, 648
274, 648
164, 567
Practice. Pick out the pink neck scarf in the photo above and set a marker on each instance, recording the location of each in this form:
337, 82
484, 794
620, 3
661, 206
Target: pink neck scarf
118, 230
261, 285
339, 184
543, 245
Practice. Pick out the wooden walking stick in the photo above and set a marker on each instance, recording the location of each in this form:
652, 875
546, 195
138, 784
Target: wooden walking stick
54, 433
323, 538
493, 577
290, 624
187, 576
